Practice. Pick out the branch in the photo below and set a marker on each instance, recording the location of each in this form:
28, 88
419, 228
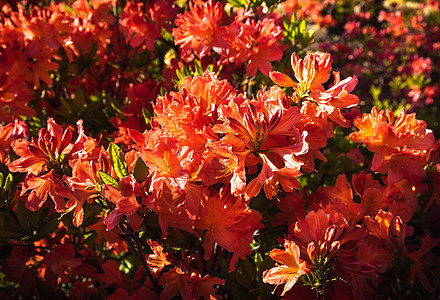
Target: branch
133, 241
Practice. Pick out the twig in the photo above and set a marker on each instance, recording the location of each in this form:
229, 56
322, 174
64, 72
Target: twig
134, 243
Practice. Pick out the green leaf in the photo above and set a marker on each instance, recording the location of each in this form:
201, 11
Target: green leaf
258, 3
8, 183
117, 160
140, 171
107, 179
28, 220
302, 26
48, 225
147, 115
198, 67
10, 228
375, 92
238, 3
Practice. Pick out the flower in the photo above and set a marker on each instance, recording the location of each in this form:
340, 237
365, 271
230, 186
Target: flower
41, 188
230, 223
420, 260
176, 280
198, 29
5, 134
388, 228
45, 153
124, 196
311, 72
158, 260
400, 144
290, 267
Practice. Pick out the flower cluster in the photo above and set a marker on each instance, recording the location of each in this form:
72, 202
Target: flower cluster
237, 39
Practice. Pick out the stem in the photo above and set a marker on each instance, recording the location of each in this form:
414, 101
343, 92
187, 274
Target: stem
318, 295
134, 243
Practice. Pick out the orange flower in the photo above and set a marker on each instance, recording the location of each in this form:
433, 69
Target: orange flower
401, 145
388, 228
341, 199
230, 223
5, 133
198, 28
85, 183
186, 114
311, 72
165, 158
124, 196
43, 187
47, 152
338, 96
265, 48
158, 260
271, 176
290, 267
231, 153
267, 129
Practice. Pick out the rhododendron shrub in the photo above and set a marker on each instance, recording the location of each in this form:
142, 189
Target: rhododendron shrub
205, 150
385, 44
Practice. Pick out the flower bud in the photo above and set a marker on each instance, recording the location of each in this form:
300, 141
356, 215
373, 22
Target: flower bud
330, 233
334, 248
400, 230
324, 248
311, 251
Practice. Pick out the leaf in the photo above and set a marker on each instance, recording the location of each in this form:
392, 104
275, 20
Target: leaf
147, 116
10, 228
238, 3
302, 26
117, 160
28, 220
91, 211
50, 224
140, 171
107, 179
8, 182
198, 67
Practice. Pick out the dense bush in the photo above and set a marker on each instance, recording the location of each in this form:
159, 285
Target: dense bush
209, 150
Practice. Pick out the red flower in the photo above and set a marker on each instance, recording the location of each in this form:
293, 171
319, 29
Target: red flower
124, 196
41, 188
420, 259
203, 287
176, 280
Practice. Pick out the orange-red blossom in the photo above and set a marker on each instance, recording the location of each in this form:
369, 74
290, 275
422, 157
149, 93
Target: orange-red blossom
290, 267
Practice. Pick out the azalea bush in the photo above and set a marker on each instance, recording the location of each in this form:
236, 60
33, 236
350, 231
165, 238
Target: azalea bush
219, 150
